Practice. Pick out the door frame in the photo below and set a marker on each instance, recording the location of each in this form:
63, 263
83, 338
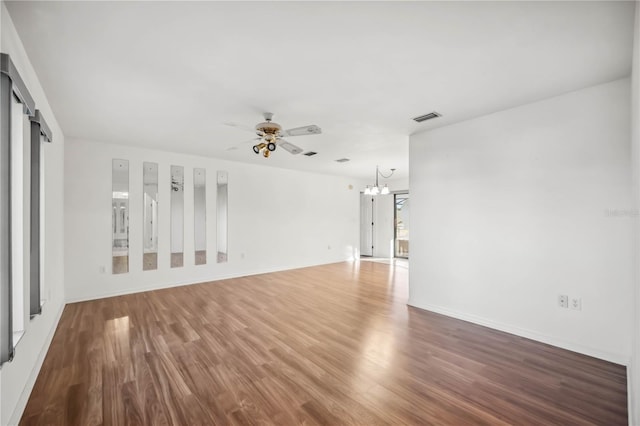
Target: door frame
395, 224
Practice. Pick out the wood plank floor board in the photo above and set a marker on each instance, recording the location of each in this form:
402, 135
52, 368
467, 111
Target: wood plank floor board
326, 345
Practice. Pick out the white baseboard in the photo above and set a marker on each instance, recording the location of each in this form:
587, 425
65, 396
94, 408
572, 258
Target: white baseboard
529, 334
26, 391
165, 285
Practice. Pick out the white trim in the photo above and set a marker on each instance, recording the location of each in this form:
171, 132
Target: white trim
630, 404
17, 336
192, 282
21, 404
529, 334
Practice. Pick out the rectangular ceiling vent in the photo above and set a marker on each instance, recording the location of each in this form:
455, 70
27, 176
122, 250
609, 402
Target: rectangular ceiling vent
342, 160
309, 153
426, 117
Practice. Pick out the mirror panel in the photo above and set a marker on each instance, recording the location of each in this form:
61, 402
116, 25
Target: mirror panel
120, 216
150, 216
200, 215
177, 216
221, 210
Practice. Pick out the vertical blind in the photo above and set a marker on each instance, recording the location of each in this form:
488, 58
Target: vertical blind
39, 133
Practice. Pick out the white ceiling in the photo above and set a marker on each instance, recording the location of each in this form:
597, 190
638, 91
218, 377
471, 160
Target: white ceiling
167, 75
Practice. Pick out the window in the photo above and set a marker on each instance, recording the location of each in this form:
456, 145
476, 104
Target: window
20, 219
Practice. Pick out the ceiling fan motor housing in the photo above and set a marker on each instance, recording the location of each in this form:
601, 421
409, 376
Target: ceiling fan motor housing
268, 128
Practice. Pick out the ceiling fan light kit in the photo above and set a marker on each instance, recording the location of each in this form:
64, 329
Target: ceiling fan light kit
270, 135
259, 147
377, 189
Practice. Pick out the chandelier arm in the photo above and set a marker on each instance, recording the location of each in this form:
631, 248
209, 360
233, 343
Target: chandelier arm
376, 189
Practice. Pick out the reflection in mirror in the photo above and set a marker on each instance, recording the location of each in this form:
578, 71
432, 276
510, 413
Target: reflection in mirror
200, 215
221, 206
177, 216
120, 216
150, 216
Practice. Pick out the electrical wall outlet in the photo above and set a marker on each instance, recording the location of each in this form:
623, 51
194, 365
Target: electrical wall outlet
576, 303
563, 301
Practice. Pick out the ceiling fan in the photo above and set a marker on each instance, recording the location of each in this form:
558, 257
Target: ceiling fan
270, 135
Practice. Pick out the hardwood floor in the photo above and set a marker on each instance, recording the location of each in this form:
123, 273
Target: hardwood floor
333, 344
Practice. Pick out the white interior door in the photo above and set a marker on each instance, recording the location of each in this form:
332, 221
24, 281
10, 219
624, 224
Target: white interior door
366, 225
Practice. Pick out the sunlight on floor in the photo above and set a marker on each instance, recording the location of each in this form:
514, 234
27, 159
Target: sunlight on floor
396, 261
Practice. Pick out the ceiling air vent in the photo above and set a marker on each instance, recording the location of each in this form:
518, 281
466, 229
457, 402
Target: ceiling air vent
342, 160
310, 153
426, 117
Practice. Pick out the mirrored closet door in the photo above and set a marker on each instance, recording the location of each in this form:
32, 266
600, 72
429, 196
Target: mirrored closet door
200, 215
177, 216
150, 216
120, 216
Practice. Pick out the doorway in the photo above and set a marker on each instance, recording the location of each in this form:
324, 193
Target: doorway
401, 225
366, 225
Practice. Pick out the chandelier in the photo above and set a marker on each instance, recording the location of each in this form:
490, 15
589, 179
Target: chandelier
376, 189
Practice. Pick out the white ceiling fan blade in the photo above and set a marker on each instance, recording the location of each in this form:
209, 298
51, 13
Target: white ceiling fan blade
304, 130
240, 126
288, 146
238, 145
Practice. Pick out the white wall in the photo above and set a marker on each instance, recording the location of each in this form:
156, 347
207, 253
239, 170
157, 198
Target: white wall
634, 369
278, 219
398, 185
17, 377
509, 211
